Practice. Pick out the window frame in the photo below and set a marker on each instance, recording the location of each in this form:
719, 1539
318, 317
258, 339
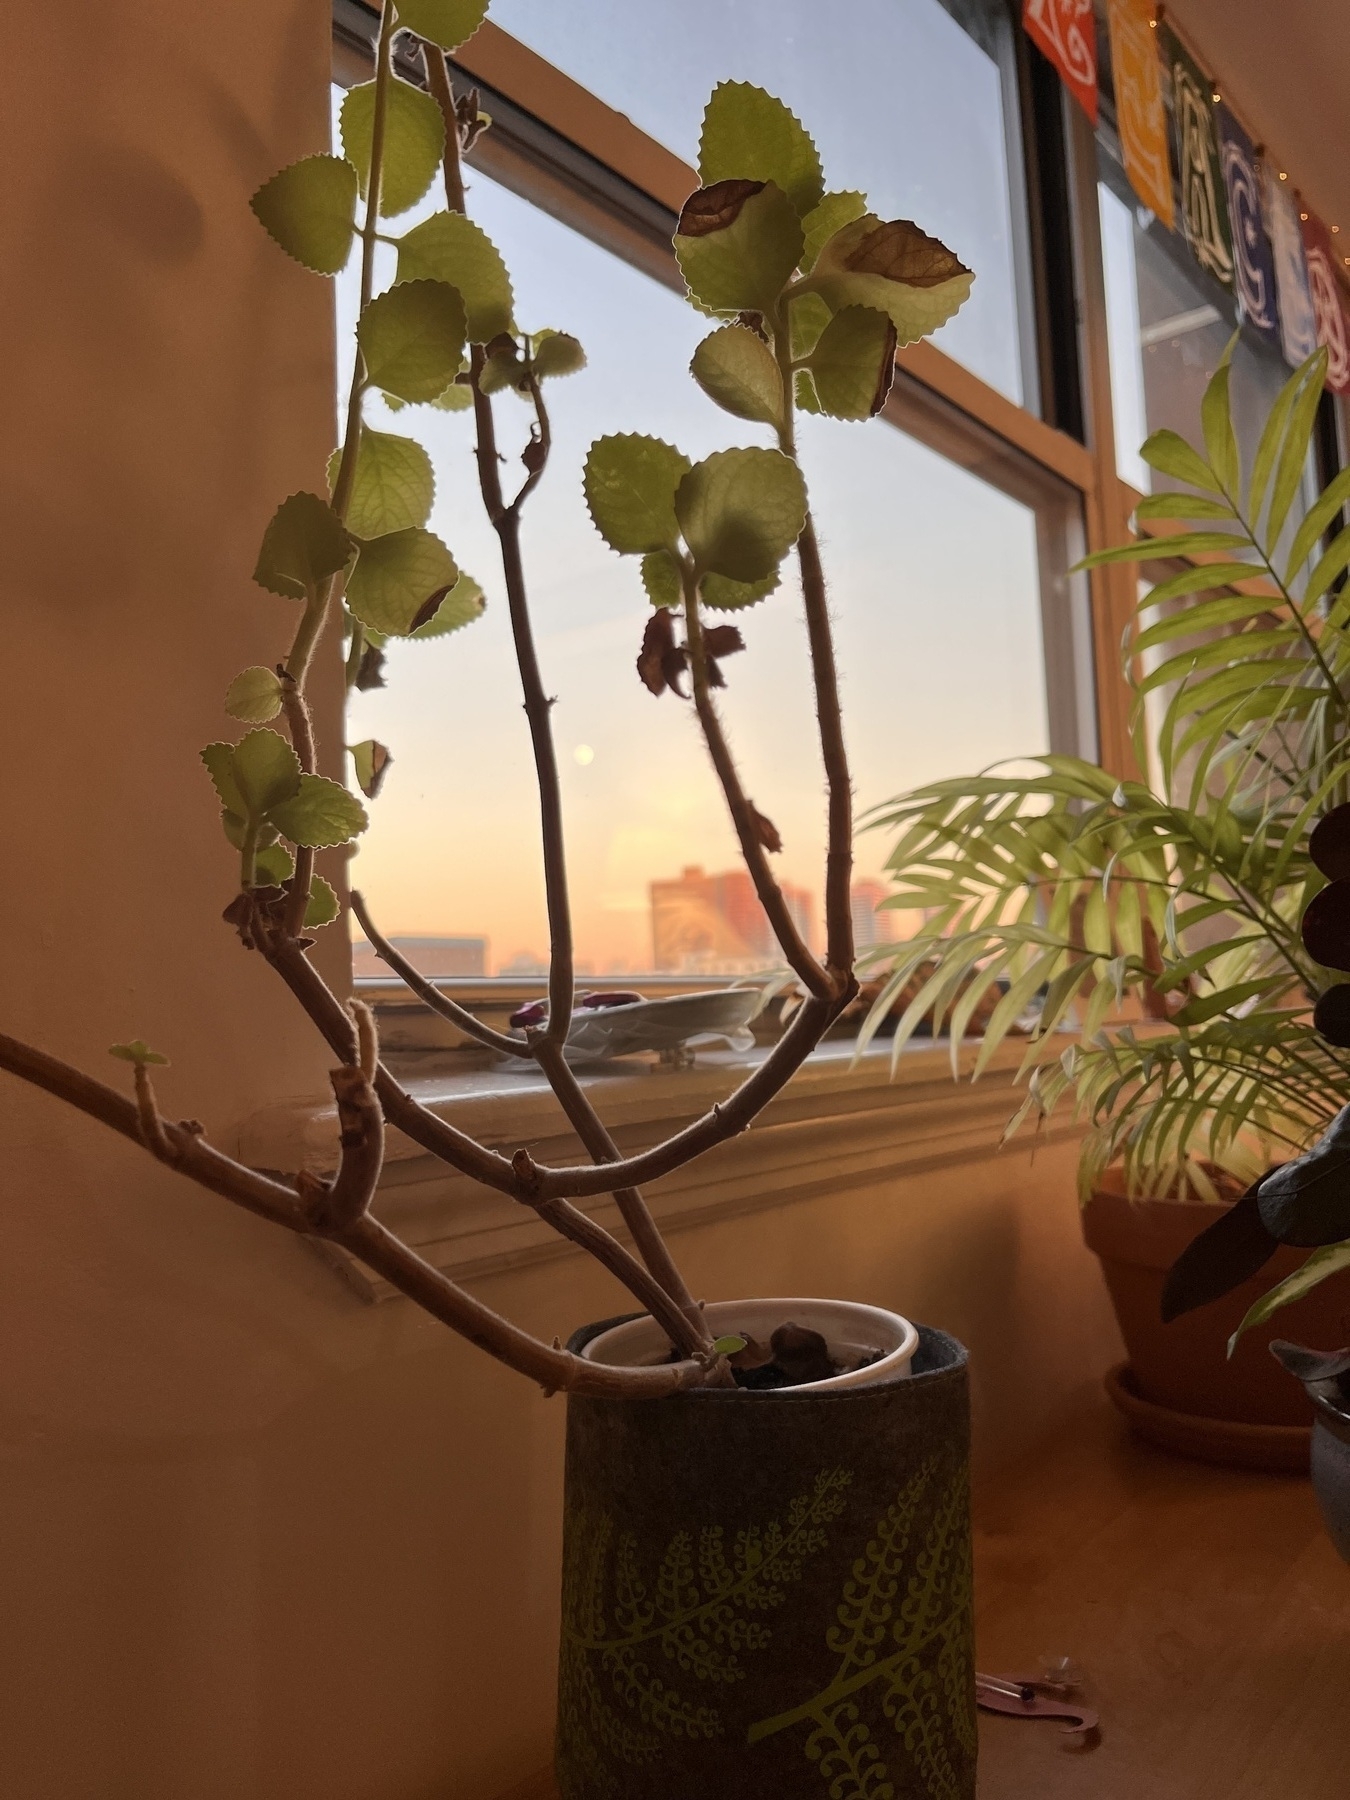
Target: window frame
558, 146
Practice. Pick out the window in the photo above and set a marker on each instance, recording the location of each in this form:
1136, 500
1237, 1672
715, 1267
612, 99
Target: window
936, 585
948, 530
903, 101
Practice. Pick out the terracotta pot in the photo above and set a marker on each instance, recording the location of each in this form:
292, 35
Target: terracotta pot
767, 1595
1184, 1367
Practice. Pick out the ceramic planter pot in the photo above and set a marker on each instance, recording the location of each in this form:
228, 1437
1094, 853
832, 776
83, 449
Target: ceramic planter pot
1180, 1388
1331, 1469
767, 1596
1324, 1375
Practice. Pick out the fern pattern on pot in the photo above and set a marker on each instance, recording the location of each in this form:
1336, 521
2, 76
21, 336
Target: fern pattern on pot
701, 1613
914, 1651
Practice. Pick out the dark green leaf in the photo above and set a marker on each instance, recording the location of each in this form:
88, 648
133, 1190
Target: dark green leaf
555, 353
854, 363
661, 578
820, 224
738, 244
323, 813
397, 577
254, 696
737, 369
412, 338
448, 23
893, 266
741, 511
309, 210
449, 247
394, 485
1307, 1202
748, 135
414, 141
630, 485
305, 543
725, 595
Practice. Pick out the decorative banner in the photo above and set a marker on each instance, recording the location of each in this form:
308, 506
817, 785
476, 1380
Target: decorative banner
1140, 115
1298, 324
1329, 303
1204, 211
1066, 30
1253, 262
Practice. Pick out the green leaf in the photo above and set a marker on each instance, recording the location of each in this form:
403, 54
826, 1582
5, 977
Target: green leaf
854, 363
266, 772
323, 905
461, 606
555, 353
305, 542
309, 209
661, 578
1327, 1261
808, 316
254, 696
412, 338
1170, 454
394, 485
370, 759
398, 577
1210, 1006
737, 369
137, 1051
741, 511
1216, 420
729, 1345
630, 484
748, 135
737, 244
458, 397
725, 595
503, 369
321, 814
414, 141
1274, 429
1293, 457
804, 387
1329, 566
1156, 549
273, 865
831, 215
1171, 505
1317, 521
219, 760
893, 266
448, 23
451, 248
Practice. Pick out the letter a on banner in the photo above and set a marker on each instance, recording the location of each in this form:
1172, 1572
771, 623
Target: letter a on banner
1204, 209
1066, 30
1298, 325
1329, 304
1140, 115
1253, 261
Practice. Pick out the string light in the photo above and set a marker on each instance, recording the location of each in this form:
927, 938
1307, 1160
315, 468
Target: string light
1303, 215
1283, 176
1216, 96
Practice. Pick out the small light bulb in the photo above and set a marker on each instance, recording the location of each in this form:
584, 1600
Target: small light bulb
1283, 176
1334, 230
1303, 215
1216, 96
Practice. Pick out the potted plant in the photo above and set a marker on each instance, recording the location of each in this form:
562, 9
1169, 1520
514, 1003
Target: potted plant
1158, 919
767, 1542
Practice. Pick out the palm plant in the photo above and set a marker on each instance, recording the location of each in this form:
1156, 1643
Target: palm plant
1157, 919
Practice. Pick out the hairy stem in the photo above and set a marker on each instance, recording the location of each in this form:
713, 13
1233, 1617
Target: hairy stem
793, 945
839, 951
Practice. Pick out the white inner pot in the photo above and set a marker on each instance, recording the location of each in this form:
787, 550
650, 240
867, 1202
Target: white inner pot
850, 1329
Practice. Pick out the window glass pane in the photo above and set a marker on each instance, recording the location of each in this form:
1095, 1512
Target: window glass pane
935, 587
901, 100
1168, 326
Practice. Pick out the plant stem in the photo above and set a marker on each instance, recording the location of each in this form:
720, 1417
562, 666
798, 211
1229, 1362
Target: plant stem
793, 945
839, 952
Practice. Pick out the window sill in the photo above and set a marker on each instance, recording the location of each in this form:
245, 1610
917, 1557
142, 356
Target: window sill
838, 1126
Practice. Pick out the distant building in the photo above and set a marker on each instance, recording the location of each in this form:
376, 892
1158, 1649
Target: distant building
715, 925
428, 955
870, 925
